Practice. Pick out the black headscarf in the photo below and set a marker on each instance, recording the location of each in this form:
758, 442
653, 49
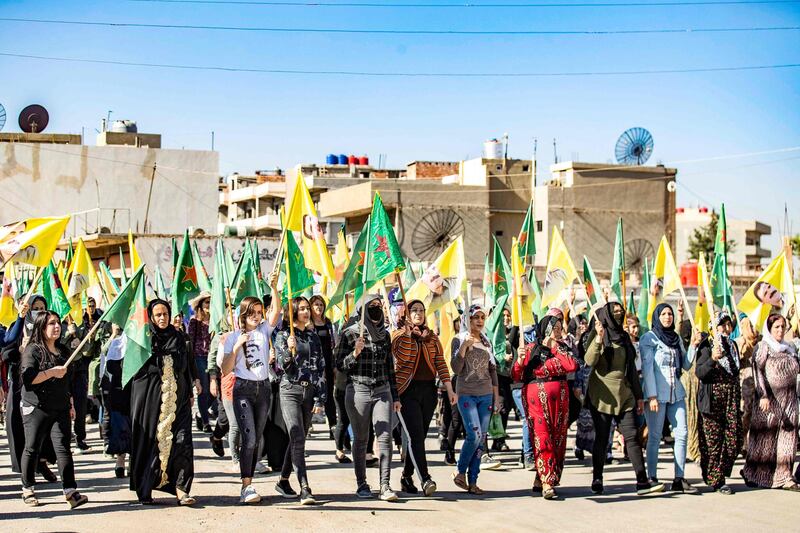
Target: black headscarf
614, 332
666, 335
166, 341
377, 331
539, 352
29, 316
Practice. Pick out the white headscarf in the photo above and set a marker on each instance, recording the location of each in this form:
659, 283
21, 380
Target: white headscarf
773, 344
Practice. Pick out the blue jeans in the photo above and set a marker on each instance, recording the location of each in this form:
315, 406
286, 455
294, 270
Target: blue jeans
676, 413
527, 449
475, 413
203, 399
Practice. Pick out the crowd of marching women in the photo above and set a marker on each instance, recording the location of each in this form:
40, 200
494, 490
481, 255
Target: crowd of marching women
380, 377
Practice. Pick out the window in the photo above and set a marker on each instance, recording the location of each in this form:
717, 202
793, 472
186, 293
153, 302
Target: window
539, 226
498, 233
525, 168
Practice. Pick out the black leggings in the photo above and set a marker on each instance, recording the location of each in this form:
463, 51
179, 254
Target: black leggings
504, 390
626, 422
38, 425
342, 420
419, 402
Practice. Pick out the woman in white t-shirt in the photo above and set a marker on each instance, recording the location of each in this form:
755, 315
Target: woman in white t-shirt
247, 355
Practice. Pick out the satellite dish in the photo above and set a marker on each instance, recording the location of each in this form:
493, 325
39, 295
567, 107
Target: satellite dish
33, 119
634, 147
435, 232
2, 117
636, 251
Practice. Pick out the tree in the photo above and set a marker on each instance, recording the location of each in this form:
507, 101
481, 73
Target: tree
702, 240
796, 245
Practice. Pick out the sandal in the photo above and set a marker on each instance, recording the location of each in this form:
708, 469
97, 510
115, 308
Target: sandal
792, 486
187, 500
476, 490
76, 499
549, 493
460, 481
29, 498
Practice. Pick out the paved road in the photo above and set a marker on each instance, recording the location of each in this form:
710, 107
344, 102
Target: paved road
507, 506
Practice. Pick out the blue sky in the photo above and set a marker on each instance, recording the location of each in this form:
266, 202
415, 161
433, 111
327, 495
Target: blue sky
266, 120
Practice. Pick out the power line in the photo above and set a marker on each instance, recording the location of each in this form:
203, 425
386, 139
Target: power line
468, 5
368, 31
356, 73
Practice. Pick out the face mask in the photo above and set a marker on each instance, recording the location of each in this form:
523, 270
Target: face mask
375, 313
35, 314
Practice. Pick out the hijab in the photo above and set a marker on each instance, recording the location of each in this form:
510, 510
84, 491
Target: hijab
166, 341
666, 335
29, 315
376, 329
419, 333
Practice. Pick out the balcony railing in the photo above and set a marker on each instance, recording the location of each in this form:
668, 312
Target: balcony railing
99, 220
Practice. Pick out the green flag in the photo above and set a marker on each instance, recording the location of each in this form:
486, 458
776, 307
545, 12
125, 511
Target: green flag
501, 273
409, 278
631, 305
526, 242
160, 287
123, 271
300, 277
353, 274
218, 321
129, 312
230, 266
245, 283
618, 268
383, 255
721, 290
175, 255
488, 283
109, 277
590, 282
259, 272
538, 310
644, 301
70, 252
184, 285
53, 292
202, 274
496, 331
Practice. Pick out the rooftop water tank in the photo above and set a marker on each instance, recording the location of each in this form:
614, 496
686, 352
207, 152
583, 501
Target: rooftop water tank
342, 159
352, 160
493, 149
363, 160
331, 159
123, 126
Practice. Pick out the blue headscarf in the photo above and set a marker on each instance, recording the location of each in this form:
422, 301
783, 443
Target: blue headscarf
666, 335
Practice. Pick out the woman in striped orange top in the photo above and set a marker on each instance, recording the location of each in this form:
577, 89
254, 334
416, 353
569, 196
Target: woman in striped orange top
419, 360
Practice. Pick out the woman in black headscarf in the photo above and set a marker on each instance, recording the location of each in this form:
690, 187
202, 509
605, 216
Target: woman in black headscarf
161, 391
13, 343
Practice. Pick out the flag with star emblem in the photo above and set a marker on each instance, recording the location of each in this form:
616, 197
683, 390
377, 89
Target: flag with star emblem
501, 273
351, 279
383, 253
526, 241
590, 283
184, 286
129, 312
294, 271
202, 275
53, 291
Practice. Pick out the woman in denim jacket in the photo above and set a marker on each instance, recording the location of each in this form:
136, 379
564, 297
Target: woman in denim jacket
663, 361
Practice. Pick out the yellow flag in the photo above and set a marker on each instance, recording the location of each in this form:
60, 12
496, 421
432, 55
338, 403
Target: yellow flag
560, 270
443, 279
32, 241
665, 279
340, 258
302, 217
81, 276
521, 302
136, 261
772, 292
702, 310
8, 311
447, 331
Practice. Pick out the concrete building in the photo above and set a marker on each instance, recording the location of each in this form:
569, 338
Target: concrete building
746, 256
585, 200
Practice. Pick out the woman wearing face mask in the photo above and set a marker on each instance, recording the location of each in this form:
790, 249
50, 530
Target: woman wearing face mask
419, 359
474, 363
247, 355
47, 406
15, 340
614, 393
161, 391
301, 367
718, 401
324, 329
772, 442
545, 396
371, 391
664, 359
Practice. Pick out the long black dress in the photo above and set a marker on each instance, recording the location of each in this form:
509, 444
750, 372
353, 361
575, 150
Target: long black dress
169, 360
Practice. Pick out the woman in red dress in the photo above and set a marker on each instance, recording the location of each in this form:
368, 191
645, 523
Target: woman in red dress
545, 396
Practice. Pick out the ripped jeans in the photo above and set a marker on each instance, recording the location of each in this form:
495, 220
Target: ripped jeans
475, 413
251, 405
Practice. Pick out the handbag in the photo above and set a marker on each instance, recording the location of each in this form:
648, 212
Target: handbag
496, 429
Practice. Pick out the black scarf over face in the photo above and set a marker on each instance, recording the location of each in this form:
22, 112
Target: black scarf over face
376, 330
166, 341
539, 352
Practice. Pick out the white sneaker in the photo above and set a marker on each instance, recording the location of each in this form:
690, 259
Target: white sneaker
489, 463
249, 495
262, 468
